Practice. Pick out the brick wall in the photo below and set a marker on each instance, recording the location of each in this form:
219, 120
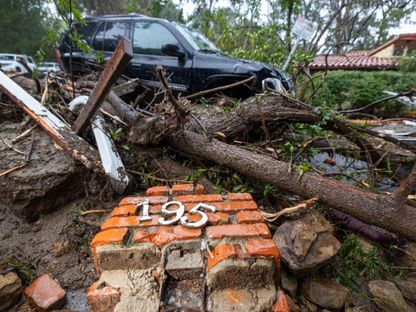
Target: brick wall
232, 259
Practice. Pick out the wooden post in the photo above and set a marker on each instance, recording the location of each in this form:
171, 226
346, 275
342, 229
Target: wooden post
115, 67
59, 131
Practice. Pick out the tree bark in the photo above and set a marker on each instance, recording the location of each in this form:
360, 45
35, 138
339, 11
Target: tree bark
371, 208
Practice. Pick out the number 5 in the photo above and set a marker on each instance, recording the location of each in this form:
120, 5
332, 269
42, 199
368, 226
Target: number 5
197, 210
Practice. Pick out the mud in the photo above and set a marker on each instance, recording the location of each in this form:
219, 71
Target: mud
50, 178
57, 244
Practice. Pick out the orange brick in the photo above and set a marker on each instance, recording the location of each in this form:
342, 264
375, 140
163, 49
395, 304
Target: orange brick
124, 211
232, 206
213, 218
240, 196
199, 189
263, 248
199, 198
249, 217
163, 235
137, 199
158, 191
107, 237
131, 221
183, 189
221, 252
102, 297
281, 304
238, 230
112, 236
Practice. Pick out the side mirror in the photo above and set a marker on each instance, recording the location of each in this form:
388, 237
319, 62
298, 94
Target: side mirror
172, 49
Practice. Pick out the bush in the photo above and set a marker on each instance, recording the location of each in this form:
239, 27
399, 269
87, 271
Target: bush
354, 89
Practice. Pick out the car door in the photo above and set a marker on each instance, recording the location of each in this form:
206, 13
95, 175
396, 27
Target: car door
148, 38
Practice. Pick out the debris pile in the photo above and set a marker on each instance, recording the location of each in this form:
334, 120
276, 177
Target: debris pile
307, 168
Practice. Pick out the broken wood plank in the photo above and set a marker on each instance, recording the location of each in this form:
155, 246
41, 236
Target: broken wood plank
52, 125
115, 67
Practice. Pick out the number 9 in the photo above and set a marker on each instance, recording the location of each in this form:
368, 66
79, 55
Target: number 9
166, 212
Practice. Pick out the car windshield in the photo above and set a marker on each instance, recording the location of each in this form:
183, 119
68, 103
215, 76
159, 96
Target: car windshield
6, 57
198, 41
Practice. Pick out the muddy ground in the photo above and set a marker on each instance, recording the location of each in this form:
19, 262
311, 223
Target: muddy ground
57, 244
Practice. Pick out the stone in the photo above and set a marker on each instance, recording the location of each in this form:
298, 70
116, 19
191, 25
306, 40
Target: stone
307, 243
60, 248
407, 257
324, 292
289, 283
21, 191
407, 287
10, 290
45, 294
388, 297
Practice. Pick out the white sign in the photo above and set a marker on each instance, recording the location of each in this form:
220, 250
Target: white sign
177, 213
303, 28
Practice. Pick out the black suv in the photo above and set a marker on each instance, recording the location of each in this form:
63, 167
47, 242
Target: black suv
192, 62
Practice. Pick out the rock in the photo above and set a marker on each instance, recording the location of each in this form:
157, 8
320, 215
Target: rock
289, 283
10, 290
307, 243
324, 292
388, 297
45, 294
60, 248
407, 287
48, 181
407, 257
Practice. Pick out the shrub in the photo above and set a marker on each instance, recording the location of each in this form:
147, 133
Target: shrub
354, 89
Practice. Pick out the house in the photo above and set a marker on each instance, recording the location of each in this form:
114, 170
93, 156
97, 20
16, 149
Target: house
382, 58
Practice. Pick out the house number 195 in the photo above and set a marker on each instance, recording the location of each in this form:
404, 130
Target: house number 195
172, 216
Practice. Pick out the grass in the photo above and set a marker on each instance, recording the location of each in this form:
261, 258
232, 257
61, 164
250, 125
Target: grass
25, 270
357, 264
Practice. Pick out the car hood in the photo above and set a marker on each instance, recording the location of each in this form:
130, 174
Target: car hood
240, 66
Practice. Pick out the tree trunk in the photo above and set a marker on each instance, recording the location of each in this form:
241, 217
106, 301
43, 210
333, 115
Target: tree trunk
371, 208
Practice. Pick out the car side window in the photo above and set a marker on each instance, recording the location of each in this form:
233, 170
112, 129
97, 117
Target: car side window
149, 37
99, 38
113, 32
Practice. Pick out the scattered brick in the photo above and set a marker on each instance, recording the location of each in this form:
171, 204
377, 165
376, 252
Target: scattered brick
281, 304
249, 217
263, 248
158, 191
102, 298
45, 294
240, 196
137, 199
221, 252
162, 235
238, 230
199, 198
